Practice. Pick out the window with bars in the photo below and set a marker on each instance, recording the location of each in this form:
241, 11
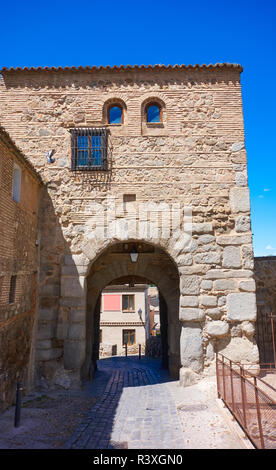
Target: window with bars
89, 149
128, 303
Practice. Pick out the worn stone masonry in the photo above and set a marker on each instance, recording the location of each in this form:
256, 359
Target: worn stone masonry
195, 157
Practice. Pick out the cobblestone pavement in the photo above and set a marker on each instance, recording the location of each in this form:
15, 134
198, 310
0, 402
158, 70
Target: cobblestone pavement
141, 407
136, 409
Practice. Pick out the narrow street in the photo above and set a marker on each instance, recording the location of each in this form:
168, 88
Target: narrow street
141, 407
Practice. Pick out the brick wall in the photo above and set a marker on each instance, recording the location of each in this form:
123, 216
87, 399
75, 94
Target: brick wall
18, 257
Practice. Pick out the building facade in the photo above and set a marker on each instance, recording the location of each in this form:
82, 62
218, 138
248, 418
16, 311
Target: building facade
19, 267
148, 160
124, 319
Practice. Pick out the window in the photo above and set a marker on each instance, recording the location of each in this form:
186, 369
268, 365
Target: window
16, 183
153, 113
115, 115
89, 149
12, 289
128, 303
128, 337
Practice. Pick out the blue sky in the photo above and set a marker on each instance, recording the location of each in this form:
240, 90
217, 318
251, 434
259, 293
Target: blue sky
70, 33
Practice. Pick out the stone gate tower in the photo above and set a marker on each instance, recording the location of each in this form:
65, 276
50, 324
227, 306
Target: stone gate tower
145, 159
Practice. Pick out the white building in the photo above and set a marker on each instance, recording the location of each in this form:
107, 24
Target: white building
124, 318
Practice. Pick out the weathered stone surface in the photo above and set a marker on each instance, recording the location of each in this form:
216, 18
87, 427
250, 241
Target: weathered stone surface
204, 227
241, 307
242, 223
214, 313
225, 284
234, 239
191, 314
208, 300
248, 257
217, 328
72, 287
189, 285
237, 146
204, 239
189, 301
187, 377
228, 274
206, 285
185, 260
241, 178
239, 349
248, 286
191, 349
248, 328
231, 257
74, 354
207, 258
239, 199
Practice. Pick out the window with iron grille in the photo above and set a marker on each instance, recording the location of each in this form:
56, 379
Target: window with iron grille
89, 149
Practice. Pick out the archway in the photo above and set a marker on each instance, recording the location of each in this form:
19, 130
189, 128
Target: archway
154, 266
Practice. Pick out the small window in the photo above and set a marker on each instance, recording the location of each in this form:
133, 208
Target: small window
153, 113
128, 337
128, 303
12, 289
115, 115
16, 183
89, 149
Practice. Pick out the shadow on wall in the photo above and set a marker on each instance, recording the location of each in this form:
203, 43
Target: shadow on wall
117, 376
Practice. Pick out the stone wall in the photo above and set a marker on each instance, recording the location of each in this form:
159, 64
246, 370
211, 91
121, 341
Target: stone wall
18, 257
195, 158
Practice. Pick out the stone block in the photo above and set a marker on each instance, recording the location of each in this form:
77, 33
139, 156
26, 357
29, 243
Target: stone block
205, 239
76, 331
227, 274
217, 328
248, 257
248, 286
189, 301
239, 199
234, 239
242, 224
187, 377
204, 227
207, 258
191, 314
214, 313
185, 260
206, 285
225, 284
189, 285
237, 146
241, 178
239, 349
241, 307
208, 300
231, 257
191, 349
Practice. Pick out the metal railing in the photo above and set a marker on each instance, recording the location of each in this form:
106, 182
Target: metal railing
250, 400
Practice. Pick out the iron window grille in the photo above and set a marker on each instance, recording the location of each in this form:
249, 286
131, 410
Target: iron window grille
89, 149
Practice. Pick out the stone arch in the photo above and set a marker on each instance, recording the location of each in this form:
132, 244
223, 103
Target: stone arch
154, 265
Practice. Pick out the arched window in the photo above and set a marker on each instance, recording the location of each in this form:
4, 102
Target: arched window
115, 114
153, 113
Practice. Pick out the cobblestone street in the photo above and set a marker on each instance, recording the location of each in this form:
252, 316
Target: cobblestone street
138, 409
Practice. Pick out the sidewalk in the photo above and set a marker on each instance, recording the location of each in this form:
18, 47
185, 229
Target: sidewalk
129, 404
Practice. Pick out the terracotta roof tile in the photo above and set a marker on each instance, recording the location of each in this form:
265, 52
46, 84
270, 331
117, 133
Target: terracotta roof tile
120, 68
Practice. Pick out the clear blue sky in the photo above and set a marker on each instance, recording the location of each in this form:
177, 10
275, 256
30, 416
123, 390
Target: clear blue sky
119, 32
